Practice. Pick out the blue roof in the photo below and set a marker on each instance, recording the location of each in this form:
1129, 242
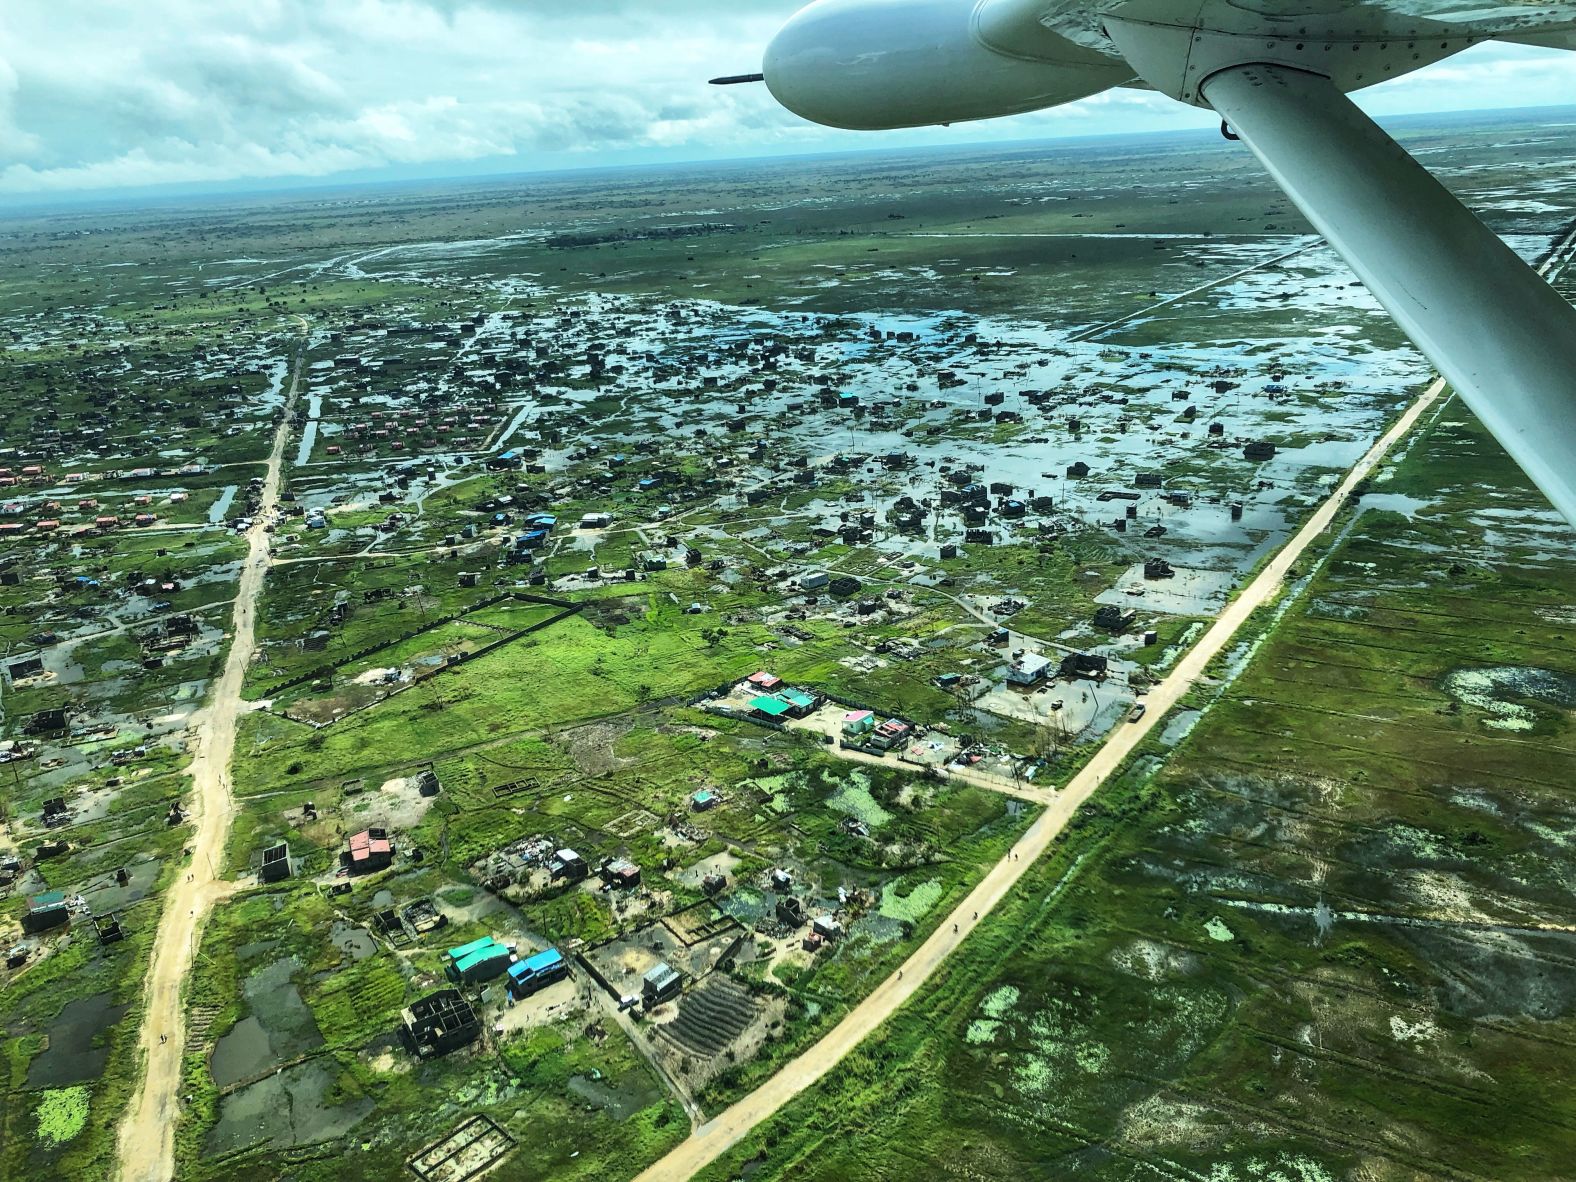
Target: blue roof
509, 455
540, 963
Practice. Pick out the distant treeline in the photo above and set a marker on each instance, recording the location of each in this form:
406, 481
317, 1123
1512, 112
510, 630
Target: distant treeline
652, 234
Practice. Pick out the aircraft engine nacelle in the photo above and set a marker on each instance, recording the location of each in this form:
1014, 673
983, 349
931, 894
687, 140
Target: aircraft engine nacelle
872, 65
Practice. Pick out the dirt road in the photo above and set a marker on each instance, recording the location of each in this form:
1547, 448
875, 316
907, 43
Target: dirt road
147, 1134
729, 1127
822, 725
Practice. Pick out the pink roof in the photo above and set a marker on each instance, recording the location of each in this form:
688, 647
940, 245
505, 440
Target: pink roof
764, 678
857, 715
364, 845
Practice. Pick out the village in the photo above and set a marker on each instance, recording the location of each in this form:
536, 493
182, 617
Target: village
637, 680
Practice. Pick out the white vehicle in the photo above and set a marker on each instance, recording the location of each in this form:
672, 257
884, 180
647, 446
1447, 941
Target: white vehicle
1277, 73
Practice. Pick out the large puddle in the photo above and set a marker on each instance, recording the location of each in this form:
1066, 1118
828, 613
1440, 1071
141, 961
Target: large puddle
278, 1027
78, 1044
285, 1109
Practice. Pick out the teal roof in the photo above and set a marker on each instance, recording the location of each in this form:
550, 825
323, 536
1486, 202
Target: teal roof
796, 697
465, 950
481, 958
776, 707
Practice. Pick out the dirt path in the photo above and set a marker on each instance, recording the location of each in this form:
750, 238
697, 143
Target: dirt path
147, 1134
821, 725
728, 1128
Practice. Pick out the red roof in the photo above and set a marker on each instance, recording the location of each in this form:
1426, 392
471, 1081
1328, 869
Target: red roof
363, 846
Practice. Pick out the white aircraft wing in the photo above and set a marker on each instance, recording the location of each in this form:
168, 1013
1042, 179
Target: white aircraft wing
1504, 337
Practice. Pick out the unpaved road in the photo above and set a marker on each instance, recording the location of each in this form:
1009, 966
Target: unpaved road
829, 727
147, 1133
729, 1127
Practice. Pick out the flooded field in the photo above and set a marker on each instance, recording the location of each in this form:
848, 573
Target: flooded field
686, 584
77, 1047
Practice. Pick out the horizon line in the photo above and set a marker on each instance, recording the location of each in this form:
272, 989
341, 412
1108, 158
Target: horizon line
20, 206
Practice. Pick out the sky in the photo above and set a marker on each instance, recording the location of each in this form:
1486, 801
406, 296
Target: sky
108, 96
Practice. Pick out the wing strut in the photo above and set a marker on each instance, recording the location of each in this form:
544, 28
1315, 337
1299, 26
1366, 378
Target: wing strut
1502, 336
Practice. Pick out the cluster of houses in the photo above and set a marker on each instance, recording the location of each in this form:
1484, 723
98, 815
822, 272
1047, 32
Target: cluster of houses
446, 1020
862, 729
774, 701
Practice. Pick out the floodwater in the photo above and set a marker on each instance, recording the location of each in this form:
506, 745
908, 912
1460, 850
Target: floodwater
278, 1027
218, 510
620, 1102
76, 1053
285, 1109
356, 943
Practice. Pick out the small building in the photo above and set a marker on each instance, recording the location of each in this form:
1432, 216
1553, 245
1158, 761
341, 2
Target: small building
480, 960
1158, 568
26, 667
815, 581
1259, 450
45, 722
621, 873
703, 800
1029, 670
790, 911
1114, 619
827, 927
537, 972
1091, 665
567, 864
108, 928
771, 709
891, 733
370, 850
46, 911
764, 680
439, 1023
799, 702
661, 983
859, 722
276, 863
427, 783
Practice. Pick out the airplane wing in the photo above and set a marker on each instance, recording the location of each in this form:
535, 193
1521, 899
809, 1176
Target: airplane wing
1504, 337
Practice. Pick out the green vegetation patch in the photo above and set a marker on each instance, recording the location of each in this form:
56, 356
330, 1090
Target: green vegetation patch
62, 1113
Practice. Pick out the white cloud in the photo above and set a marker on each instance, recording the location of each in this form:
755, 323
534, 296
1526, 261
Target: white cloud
104, 94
